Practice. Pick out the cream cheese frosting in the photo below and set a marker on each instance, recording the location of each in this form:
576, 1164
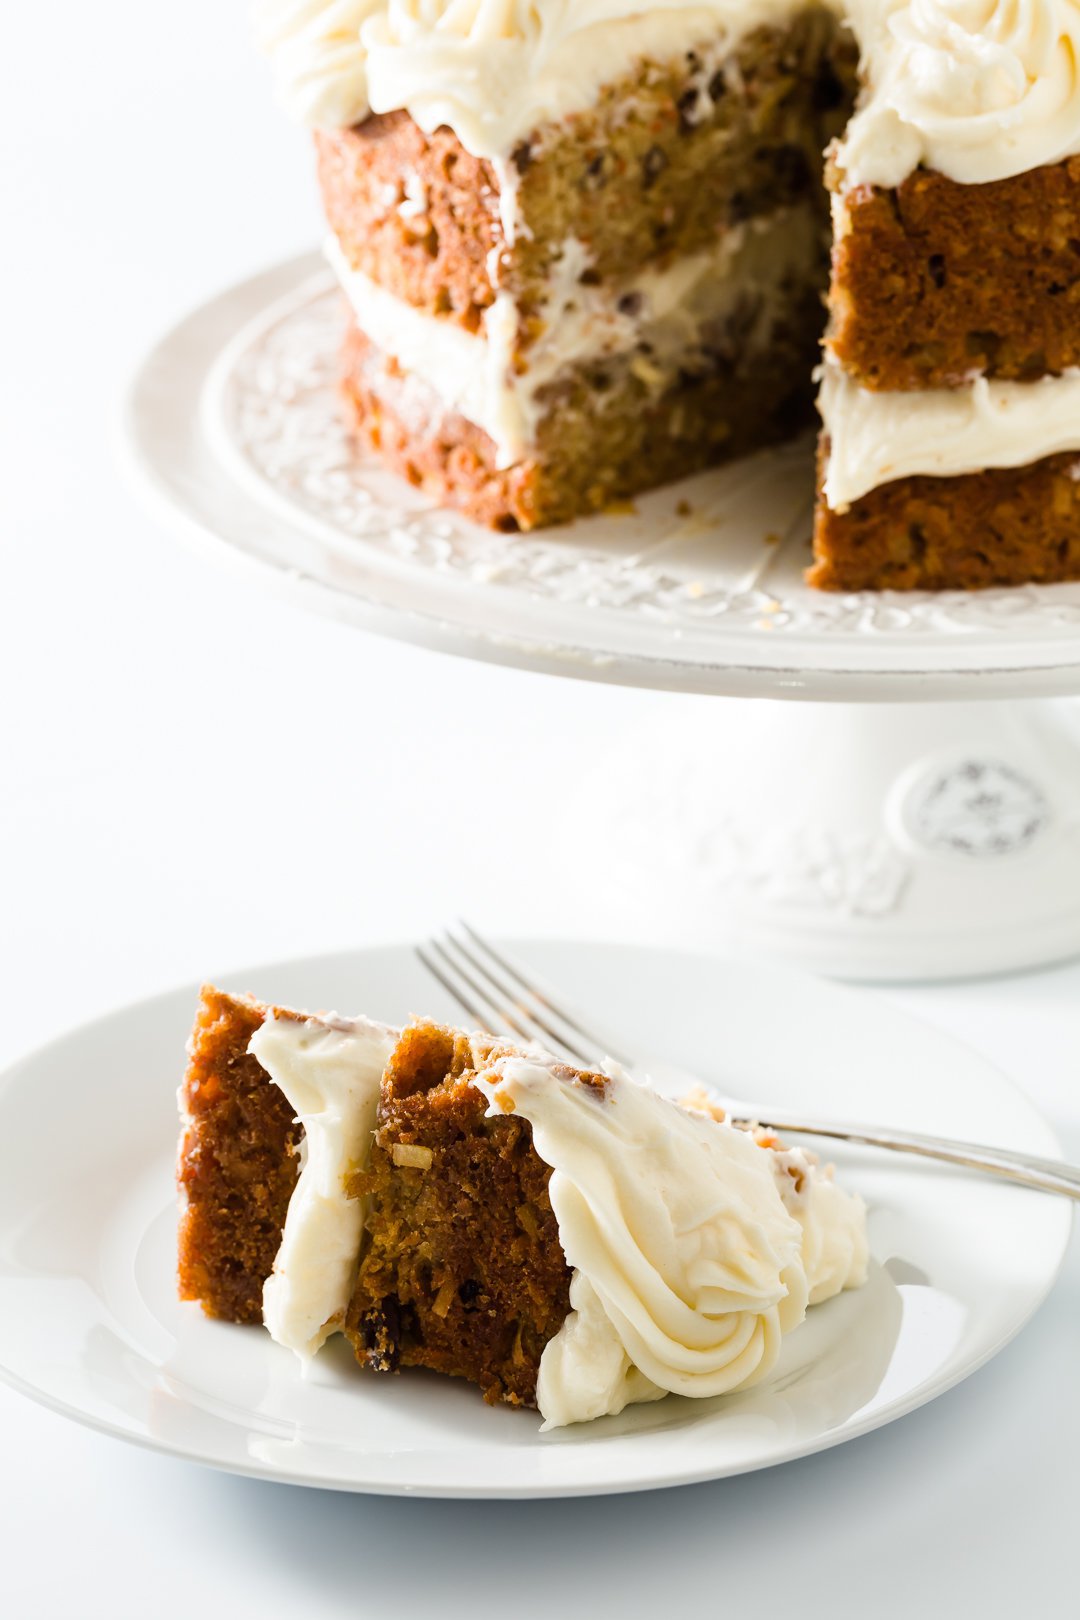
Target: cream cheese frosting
835, 1253
496, 70
318, 61
977, 89
329, 1069
493, 71
875, 437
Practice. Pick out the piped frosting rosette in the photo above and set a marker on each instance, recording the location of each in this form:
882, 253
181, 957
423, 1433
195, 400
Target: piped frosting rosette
688, 1268
319, 62
979, 90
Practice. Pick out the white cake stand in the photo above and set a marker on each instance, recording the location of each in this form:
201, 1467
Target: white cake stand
919, 817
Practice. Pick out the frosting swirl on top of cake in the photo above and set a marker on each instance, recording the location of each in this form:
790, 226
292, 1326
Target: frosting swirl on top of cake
492, 70
979, 90
319, 62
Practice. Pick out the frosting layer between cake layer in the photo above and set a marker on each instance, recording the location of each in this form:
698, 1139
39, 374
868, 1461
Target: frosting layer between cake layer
877, 437
329, 1070
661, 320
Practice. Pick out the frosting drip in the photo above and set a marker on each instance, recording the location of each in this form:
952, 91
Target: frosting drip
979, 90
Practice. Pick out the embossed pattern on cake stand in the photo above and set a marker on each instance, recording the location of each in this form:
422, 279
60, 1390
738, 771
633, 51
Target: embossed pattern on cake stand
234, 425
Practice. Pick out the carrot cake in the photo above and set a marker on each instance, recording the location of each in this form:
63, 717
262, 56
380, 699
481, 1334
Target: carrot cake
585, 250
566, 1240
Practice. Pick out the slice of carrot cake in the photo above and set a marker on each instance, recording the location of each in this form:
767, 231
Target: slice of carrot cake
566, 1240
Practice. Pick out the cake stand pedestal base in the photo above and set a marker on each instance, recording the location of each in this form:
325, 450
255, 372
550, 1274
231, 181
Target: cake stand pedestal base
870, 840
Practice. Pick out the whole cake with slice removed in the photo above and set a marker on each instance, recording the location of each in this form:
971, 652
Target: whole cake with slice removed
566, 1240
585, 249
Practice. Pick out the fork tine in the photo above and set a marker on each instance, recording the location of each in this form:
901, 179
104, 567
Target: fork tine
480, 1019
485, 1000
548, 1033
474, 997
598, 1044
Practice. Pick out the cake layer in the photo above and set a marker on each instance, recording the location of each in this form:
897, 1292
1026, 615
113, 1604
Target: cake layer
936, 282
463, 1271
875, 438
1007, 526
607, 432
416, 213
238, 1163
667, 157
655, 167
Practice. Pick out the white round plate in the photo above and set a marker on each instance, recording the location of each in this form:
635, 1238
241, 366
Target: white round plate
234, 426
90, 1325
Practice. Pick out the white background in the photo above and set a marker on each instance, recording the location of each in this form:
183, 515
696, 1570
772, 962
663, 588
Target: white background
195, 778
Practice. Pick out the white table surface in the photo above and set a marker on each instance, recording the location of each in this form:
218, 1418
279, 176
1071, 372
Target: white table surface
195, 777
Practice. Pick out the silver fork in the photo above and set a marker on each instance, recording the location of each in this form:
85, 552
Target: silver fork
503, 998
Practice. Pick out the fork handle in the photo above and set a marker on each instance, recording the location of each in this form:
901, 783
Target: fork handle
1048, 1175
